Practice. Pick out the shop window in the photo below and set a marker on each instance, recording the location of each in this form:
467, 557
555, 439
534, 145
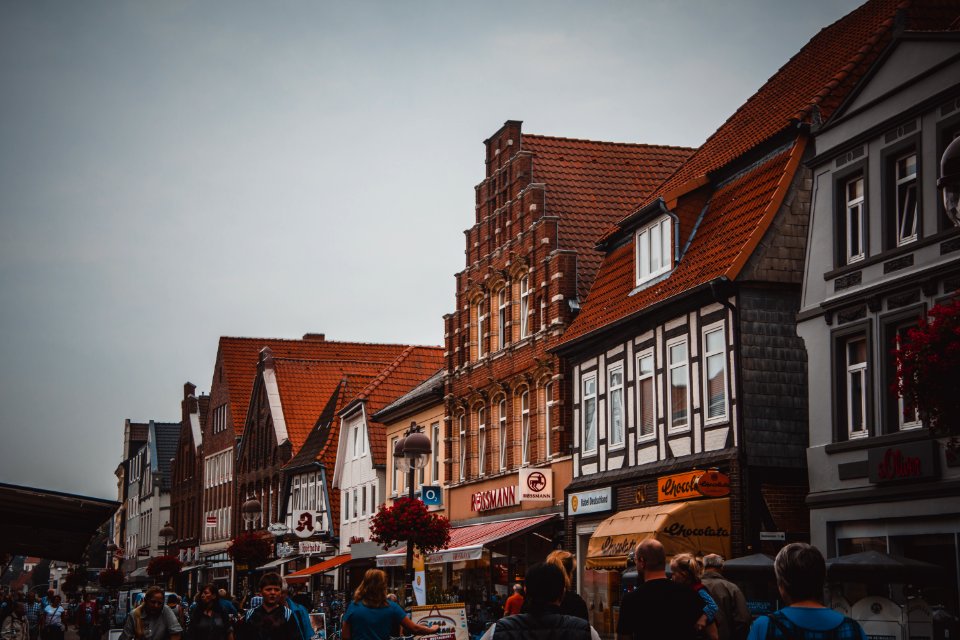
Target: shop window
525, 427
502, 419
679, 385
653, 250
590, 413
646, 396
615, 404
715, 380
481, 441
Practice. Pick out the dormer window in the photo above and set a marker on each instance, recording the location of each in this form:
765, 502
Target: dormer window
653, 249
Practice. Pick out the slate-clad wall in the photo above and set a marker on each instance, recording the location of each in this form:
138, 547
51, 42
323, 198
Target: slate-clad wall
773, 377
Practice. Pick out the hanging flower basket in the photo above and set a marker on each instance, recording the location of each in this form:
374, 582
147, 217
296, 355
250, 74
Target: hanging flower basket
110, 578
928, 368
250, 548
164, 566
71, 582
408, 520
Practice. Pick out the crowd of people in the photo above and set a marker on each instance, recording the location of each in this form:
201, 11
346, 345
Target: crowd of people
694, 603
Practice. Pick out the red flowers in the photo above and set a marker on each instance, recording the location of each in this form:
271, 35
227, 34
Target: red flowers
928, 368
164, 566
408, 520
110, 578
250, 548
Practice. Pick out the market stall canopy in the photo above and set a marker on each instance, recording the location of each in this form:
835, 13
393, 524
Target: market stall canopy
757, 563
696, 526
321, 567
868, 566
49, 524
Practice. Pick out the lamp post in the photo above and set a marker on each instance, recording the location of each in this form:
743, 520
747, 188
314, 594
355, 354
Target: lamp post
251, 510
949, 181
409, 454
167, 533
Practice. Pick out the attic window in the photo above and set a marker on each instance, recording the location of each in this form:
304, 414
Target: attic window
653, 254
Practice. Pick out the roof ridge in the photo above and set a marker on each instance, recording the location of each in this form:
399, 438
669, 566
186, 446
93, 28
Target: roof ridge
643, 145
376, 382
331, 360
320, 342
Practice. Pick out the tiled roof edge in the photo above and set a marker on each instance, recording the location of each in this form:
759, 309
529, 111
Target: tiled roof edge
636, 145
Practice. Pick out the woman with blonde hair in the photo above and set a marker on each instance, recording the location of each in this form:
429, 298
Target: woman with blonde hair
686, 569
572, 604
372, 616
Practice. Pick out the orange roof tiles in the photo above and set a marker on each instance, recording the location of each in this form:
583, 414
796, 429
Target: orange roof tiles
808, 87
592, 184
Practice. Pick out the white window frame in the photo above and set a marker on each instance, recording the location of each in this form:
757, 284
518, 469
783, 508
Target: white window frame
548, 403
904, 425
653, 240
463, 448
612, 390
481, 329
502, 419
856, 370
435, 445
524, 306
525, 427
586, 400
908, 183
501, 317
672, 370
641, 377
709, 330
481, 440
363, 501
854, 218
395, 489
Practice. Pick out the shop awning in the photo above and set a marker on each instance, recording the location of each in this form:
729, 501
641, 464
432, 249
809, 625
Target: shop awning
467, 542
697, 526
276, 563
138, 573
304, 574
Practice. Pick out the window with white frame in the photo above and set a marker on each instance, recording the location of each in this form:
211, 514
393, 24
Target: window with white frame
646, 395
396, 468
678, 385
356, 511
502, 420
481, 328
435, 441
715, 380
654, 254
905, 169
590, 413
363, 500
373, 498
501, 318
854, 220
481, 441
345, 498
525, 427
547, 420
856, 386
615, 402
908, 417
524, 306
463, 448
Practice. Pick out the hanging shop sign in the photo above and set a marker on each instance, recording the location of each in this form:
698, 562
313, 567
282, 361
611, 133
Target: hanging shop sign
313, 548
278, 529
536, 485
307, 523
698, 483
211, 521
594, 501
903, 463
285, 549
494, 498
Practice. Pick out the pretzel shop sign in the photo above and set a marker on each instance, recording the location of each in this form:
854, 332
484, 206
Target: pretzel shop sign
903, 462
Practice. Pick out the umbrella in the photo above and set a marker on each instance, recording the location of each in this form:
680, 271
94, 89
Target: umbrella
869, 566
758, 563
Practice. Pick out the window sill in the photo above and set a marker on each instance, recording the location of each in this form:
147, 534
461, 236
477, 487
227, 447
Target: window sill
887, 254
870, 442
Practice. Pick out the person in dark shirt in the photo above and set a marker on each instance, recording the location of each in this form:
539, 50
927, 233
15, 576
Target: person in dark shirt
208, 620
572, 604
272, 620
658, 609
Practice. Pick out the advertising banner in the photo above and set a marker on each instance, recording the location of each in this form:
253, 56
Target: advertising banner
452, 619
319, 623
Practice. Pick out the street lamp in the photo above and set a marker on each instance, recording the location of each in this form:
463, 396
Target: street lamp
111, 550
949, 181
167, 532
409, 454
251, 510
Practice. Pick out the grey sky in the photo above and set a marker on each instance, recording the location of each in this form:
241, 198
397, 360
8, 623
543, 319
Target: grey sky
172, 172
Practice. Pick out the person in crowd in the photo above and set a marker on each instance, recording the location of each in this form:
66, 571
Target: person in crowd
173, 603
372, 616
152, 620
53, 625
800, 571
658, 608
546, 583
733, 616
15, 625
208, 619
88, 618
33, 611
514, 603
272, 619
227, 602
573, 604
686, 569
300, 613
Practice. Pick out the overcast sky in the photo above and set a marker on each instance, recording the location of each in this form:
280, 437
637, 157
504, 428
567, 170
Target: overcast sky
171, 172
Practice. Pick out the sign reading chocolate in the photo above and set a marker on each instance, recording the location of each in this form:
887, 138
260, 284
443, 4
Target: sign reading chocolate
693, 484
494, 498
904, 462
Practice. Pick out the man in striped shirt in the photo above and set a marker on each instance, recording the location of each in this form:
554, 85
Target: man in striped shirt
31, 611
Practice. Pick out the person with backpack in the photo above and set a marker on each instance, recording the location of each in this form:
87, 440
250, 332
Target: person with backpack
15, 625
208, 619
801, 570
272, 619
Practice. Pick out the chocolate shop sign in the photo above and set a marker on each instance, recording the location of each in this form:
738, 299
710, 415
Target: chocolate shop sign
494, 498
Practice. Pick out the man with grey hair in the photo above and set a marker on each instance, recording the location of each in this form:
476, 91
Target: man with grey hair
733, 617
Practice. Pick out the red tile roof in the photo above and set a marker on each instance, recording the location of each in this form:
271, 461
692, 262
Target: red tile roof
240, 356
810, 86
591, 185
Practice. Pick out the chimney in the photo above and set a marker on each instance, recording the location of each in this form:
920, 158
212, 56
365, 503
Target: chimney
315, 337
266, 357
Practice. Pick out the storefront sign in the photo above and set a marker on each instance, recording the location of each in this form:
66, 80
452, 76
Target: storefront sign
285, 549
278, 529
307, 523
536, 485
211, 521
904, 462
693, 484
451, 618
590, 501
310, 548
494, 498
431, 495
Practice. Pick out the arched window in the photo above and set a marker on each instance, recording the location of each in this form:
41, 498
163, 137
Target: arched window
481, 441
502, 419
525, 427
